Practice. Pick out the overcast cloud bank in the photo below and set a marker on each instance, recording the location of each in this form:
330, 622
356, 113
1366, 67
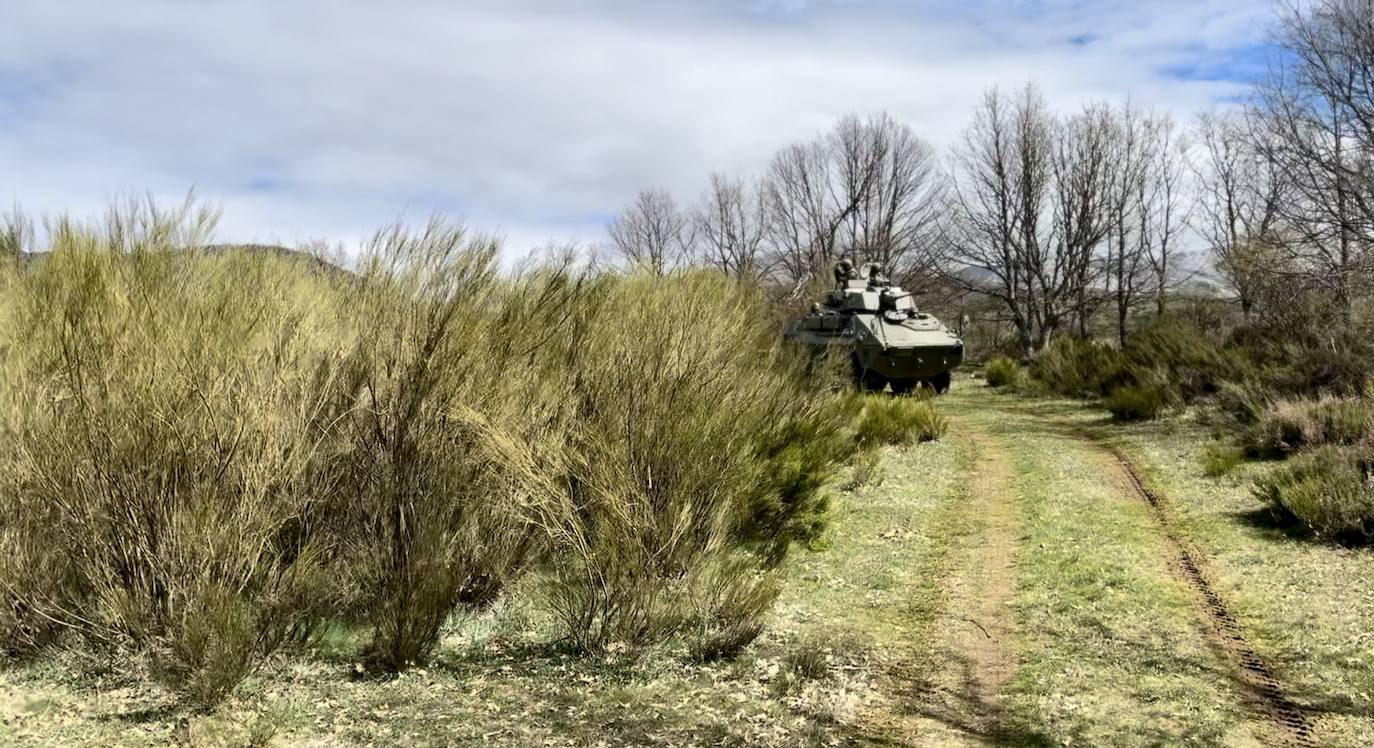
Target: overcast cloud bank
324, 119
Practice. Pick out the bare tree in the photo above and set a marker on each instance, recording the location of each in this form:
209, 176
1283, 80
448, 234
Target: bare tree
652, 232
804, 210
1239, 197
984, 254
1030, 210
1132, 201
1125, 260
1147, 212
1083, 172
894, 223
1315, 124
730, 227
998, 201
1165, 204
811, 190
870, 189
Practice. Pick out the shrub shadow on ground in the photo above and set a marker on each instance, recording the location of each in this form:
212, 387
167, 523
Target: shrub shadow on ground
1276, 524
1271, 524
963, 710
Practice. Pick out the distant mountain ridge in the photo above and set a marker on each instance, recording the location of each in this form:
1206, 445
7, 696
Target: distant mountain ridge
314, 262
1195, 277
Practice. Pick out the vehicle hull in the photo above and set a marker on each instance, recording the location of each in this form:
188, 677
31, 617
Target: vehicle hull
883, 352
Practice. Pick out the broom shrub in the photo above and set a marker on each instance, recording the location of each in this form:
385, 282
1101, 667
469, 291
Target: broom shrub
206, 452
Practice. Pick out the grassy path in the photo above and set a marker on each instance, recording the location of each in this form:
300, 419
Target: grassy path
951, 690
977, 629
1064, 620
1131, 623
1302, 607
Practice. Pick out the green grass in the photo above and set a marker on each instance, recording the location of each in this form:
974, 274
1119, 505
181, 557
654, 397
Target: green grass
1110, 648
879, 576
1303, 604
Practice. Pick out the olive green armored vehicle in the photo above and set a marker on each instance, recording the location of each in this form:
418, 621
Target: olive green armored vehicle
890, 341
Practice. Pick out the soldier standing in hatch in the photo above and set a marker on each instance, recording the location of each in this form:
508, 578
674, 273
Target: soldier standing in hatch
844, 270
875, 275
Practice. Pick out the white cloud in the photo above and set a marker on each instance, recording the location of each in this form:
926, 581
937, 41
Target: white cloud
323, 118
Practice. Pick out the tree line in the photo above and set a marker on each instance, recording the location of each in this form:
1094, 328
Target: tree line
1060, 218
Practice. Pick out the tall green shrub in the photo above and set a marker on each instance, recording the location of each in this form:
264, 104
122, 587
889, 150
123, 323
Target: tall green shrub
692, 457
203, 454
166, 417
429, 525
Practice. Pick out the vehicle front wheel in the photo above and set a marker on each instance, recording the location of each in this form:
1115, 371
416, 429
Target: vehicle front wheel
866, 378
941, 383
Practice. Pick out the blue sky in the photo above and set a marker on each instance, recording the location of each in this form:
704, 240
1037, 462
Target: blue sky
323, 119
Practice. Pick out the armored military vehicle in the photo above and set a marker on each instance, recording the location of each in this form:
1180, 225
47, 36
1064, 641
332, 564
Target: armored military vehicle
890, 341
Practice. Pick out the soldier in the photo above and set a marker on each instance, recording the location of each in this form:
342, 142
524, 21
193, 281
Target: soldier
844, 270
875, 275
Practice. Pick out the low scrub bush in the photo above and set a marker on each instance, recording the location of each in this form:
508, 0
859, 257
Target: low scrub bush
1192, 363
1245, 401
1220, 458
1330, 360
1137, 402
1169, 361
1286, 426
897, 421
810, 659
867, 470
1003, 371
1328, 490
1075, 367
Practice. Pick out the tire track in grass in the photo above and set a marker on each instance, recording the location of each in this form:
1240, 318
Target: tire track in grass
1285, 721
1262, 691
